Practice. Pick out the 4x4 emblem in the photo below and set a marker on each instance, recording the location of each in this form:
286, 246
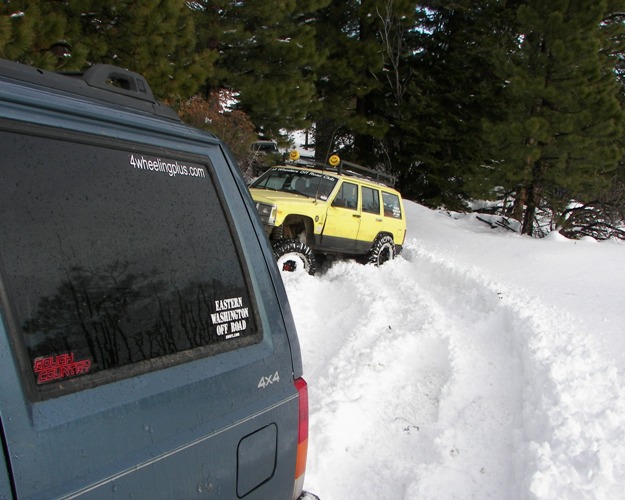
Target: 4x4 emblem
267, 381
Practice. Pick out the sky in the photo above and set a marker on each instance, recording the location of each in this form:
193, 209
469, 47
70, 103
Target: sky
479, 364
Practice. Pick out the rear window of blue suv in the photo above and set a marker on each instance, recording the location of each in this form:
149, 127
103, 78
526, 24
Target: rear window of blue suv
118, 263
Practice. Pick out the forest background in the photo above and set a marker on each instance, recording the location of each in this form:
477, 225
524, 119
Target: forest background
520, 102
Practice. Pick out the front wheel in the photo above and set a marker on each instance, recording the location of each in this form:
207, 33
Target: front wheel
293, 255
382, 251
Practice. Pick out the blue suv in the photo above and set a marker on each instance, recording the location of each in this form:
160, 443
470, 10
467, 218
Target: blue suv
147, 348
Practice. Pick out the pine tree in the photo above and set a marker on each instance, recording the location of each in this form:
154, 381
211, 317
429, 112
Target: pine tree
394, 27
348, 119
454, 87
559, 139
401, 39
267, 53
155, 38
37, 33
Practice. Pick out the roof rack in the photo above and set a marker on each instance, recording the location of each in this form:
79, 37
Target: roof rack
348, 168
103, 82
115, 79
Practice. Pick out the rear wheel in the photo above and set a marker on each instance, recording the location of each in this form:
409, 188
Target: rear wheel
293, 255
382, 251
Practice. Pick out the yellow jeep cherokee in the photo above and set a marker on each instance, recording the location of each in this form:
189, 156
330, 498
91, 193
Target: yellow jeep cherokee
317, 209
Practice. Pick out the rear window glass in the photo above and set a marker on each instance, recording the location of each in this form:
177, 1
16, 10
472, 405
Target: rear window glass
116, 261
392, 207
370, 200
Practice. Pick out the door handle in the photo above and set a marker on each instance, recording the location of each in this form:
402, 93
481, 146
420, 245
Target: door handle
356, 215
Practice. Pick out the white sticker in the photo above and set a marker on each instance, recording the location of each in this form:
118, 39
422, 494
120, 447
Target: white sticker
230, 317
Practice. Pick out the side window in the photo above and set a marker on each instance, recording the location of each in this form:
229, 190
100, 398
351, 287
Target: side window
370, 200
392, 208
116, 259
347, 197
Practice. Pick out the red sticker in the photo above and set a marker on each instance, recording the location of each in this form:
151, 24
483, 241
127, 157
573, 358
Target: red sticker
53, 368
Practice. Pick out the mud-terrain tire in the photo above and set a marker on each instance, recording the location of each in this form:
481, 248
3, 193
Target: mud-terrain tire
382, 250
293, 254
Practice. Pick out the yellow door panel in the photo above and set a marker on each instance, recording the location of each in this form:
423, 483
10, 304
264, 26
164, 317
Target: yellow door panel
343, 217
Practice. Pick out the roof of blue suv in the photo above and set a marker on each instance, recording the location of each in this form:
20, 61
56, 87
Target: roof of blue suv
100, 82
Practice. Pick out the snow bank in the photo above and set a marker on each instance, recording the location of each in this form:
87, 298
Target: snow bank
479, 364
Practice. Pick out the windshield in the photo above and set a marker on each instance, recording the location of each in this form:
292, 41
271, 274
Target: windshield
291, 180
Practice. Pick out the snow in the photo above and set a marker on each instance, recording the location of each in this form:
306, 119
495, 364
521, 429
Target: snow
480, 364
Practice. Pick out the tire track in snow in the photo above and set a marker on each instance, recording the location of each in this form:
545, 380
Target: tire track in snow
478, 426
377, 383
476, 390
433, 373
571, 439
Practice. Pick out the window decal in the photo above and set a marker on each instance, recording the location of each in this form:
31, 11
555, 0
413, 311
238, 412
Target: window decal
172, 168
230, 317
53, 368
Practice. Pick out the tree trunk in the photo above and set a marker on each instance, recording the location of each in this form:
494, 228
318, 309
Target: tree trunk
324, 140
528, 216
519, 203
534, 195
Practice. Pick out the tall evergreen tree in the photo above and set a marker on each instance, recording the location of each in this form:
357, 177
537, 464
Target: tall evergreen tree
363, 85
612, 28
395, 25
347, 118
454, 87
40, 34
267, 53
559, 138
153, 37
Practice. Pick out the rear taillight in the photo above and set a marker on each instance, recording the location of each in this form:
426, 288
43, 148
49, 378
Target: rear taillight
302, 440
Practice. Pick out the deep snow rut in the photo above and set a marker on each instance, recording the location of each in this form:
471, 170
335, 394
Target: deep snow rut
556, 409
377, 365
425, 372
433, 374
479, 409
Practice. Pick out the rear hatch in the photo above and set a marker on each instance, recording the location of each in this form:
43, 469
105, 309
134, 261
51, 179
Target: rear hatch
145, 347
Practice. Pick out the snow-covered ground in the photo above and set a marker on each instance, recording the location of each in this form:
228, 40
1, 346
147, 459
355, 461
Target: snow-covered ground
480, 364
